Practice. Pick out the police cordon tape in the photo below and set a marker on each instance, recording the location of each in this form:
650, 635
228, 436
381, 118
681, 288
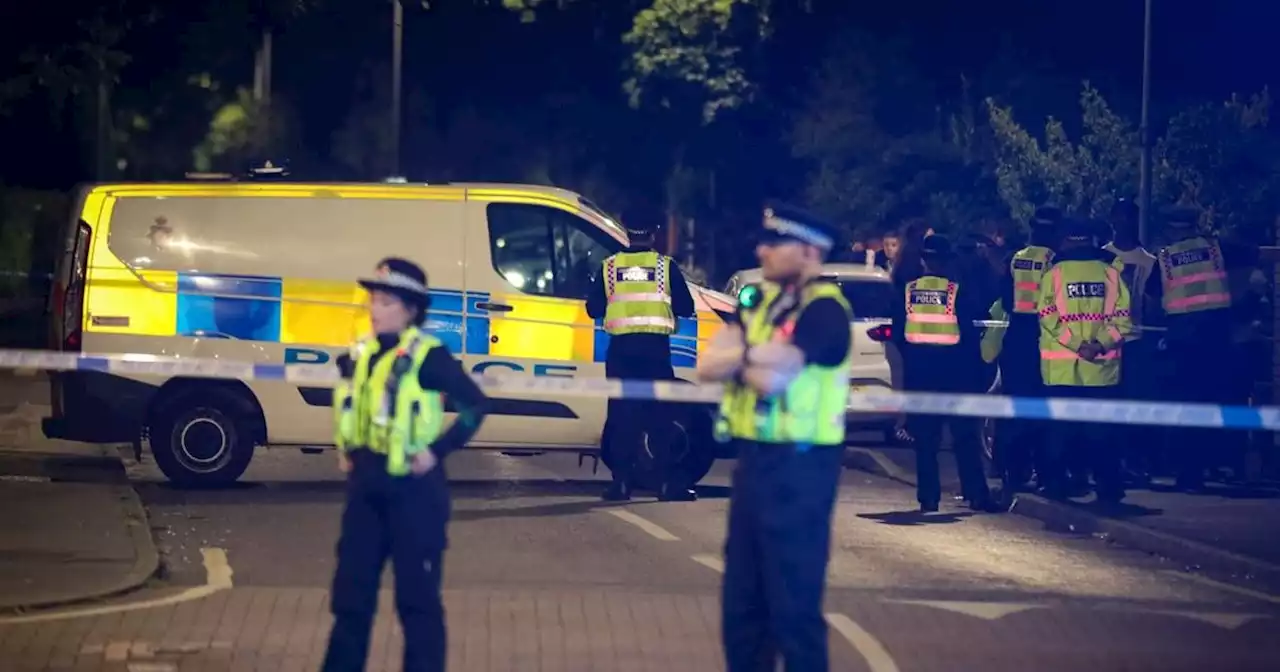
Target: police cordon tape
971, 405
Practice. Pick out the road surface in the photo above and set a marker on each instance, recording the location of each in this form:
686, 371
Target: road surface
541, 575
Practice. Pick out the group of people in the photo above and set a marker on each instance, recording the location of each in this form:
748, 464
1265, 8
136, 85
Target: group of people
1084, 320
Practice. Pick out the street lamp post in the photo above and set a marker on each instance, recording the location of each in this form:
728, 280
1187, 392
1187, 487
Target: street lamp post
1144, 132
397, 42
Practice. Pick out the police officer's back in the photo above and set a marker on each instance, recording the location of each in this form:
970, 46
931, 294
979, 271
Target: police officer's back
640, 294
391, 439
933, 325
785, 361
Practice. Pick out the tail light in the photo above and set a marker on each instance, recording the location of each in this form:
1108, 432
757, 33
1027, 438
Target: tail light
71, 297
880, 334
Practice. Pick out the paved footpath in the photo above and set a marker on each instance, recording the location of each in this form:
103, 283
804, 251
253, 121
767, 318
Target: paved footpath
541, 576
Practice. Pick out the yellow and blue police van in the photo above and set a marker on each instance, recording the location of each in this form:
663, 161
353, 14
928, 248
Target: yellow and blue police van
264, 272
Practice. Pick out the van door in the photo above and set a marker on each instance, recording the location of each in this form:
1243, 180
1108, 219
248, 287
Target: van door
527, 284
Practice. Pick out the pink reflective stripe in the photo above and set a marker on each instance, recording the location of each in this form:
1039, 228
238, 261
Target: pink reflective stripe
1027, 286
1112, 294
1064, 336
1024, 306
940, 339
639, 322
644, 297
1059, 296
1049, 310
931, 318
1067, 354
1204, 276
1200, 299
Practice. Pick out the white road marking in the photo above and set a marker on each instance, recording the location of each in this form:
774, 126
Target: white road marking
867, 646
1204, 580
217, 578
989, 611
870, 648
1224, 621
711, 561
651, 528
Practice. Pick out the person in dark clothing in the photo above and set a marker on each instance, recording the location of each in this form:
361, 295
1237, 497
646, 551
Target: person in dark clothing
1021, 441
933, 325
389, 414
639, 294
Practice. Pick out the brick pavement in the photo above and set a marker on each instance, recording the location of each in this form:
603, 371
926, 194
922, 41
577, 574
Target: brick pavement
285, 630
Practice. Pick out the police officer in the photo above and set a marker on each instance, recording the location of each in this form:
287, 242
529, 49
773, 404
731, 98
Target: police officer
391, 439
934, 325
784, 358
1084, 315
1020, 441
1196, 297
639, 294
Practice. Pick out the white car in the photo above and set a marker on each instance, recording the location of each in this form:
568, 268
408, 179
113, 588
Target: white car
870, 293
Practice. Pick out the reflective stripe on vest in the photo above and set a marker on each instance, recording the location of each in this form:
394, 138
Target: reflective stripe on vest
931, 312
638, 292
1067, 296
1193, 276
385, 409
812, 409
1027, 267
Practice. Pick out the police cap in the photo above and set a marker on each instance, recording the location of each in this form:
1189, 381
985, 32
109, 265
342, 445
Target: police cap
785, 223
1075, 229
1046, 215
1181, 215
936, 245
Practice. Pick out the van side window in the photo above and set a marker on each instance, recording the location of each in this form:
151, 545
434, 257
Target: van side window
545, 251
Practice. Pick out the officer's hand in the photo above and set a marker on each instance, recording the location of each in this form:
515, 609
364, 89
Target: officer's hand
344, 462
424, 462
723, 356
1090, 351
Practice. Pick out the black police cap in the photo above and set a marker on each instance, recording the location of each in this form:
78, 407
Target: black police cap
1181, 215
1072, 228
936, 245
1046, 215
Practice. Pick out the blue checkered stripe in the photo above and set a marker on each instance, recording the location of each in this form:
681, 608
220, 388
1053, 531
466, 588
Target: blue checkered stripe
970, 405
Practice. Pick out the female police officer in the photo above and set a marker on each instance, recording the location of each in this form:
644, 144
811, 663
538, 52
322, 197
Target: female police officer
389, 416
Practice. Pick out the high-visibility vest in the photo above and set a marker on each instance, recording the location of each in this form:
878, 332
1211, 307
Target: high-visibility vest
993, 337
931, 312
812, 409
1027, 267
1193, 276
638, 289
383, 407
1083, 301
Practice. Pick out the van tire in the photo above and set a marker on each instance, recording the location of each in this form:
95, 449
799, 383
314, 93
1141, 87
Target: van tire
691, 439
203, 438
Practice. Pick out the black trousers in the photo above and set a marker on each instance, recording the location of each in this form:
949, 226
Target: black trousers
1021, 442
1084, 443
403, 518
775, 557
965, 443
636, 425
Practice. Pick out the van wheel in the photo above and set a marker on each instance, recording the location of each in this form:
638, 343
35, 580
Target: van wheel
202, 439
694, 452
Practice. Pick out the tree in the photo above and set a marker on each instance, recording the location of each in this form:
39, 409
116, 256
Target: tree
880, 147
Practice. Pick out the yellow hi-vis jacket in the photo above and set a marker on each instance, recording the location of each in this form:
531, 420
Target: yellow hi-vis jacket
383, 407
638, 291
1082, 301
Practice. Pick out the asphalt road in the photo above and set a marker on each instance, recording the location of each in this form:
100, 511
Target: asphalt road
541, 575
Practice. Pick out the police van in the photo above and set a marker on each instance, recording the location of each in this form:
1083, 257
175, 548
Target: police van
265, 272
874, 364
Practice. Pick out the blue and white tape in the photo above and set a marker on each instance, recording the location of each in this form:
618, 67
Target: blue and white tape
970, 405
